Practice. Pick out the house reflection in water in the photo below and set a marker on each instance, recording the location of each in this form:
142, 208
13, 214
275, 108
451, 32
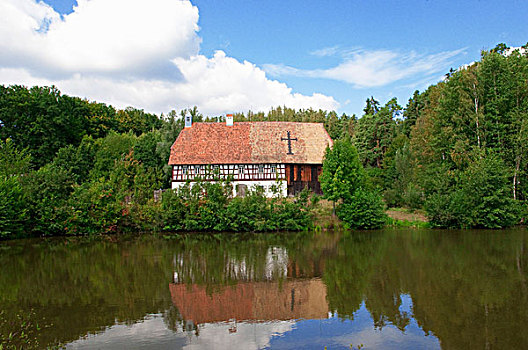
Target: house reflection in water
272, 297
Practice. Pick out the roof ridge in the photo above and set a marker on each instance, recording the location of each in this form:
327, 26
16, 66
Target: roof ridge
258, 121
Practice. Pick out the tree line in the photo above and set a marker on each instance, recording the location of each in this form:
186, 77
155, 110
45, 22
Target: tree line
457, 150
69, 166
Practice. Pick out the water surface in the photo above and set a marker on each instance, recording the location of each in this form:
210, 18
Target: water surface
392, 289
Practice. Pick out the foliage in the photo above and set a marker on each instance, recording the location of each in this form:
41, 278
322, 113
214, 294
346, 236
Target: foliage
342, 172
47, 191
208, 206
406, 223
364, 210
400, 176
169, 132
375, 132
13, 209
459, 149
94, 209
136, 121
108, 150
41, 120
78, 161
146, 150
412, 111
13, 161
343, 179
480, 198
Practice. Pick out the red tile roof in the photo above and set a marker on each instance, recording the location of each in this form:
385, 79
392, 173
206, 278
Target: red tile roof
250, 143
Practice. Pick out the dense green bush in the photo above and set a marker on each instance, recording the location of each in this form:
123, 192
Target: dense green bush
110, 149
413, 196
78, 161
173, 210
94, 209
14, 164
365, 210
344, 179
13, 208
481, 198
12, 160
47, 191
209, 206
342, 171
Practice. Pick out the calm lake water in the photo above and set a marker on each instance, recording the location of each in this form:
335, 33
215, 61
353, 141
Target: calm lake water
392, 289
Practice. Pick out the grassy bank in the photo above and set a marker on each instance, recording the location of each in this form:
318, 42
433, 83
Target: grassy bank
396, 217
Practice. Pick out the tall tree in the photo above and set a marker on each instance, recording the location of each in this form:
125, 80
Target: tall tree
375, 132
342, 172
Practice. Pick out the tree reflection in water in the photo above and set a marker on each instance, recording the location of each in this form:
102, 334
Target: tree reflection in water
468, 288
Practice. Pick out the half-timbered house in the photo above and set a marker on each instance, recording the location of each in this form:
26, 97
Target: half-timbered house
251, 153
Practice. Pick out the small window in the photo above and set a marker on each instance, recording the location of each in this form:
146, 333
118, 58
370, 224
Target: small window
273, 168
184, 169
261, 168
196, 169
241, 169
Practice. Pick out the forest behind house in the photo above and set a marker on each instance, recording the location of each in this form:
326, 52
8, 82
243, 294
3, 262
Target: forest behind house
458, 151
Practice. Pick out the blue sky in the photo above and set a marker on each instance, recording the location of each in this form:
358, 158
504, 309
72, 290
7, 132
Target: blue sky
341, 51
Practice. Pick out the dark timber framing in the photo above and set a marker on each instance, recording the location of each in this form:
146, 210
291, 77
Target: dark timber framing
297, 176
238, 172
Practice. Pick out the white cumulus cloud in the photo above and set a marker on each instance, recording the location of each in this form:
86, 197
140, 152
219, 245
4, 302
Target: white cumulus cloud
226, 82
133, 52
100, 36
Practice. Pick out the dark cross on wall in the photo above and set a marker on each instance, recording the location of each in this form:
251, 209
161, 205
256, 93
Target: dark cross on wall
289, 139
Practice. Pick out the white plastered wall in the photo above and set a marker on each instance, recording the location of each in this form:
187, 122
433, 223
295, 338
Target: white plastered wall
266, 184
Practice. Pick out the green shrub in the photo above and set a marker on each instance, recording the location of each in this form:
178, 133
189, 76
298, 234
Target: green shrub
440, 211
208, 206
47, 191
13, 161
148, 216
94, 209
13, 208
481, 199
173, 210
364, 210
78, 161
342, 171
108, 150
393, 197
413, 196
